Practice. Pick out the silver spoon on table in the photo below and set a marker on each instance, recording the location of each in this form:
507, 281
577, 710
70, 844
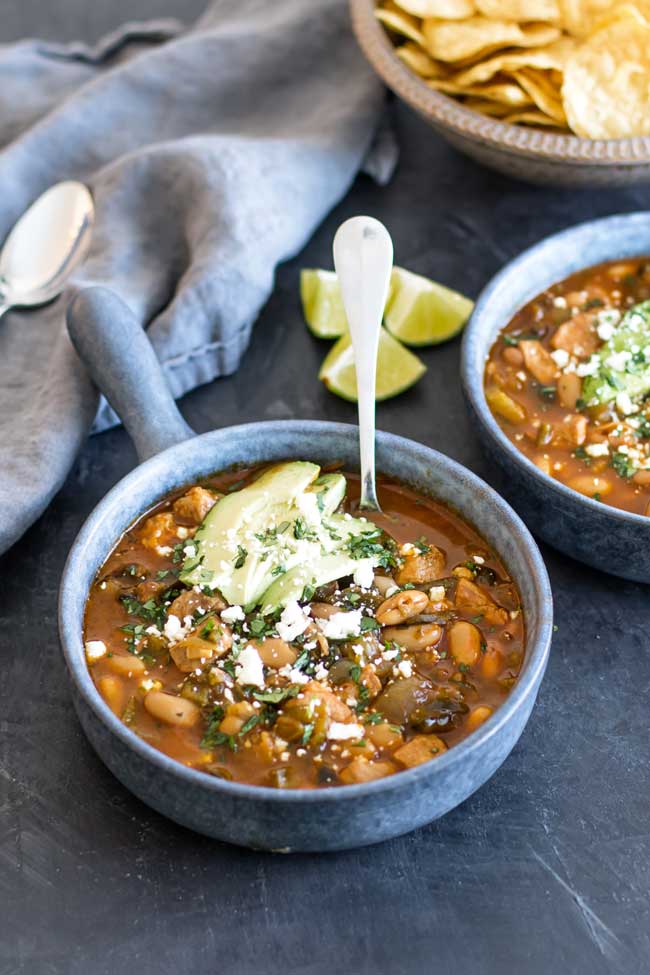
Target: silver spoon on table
363, 260
45, 245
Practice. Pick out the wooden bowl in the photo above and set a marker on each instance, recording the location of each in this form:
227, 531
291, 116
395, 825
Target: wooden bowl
527, 153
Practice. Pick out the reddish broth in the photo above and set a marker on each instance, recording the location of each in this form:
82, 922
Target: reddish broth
533, 387
434, 699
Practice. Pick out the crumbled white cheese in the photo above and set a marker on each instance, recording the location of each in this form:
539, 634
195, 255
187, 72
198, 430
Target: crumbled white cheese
589, 368
341, 626
437, 594
339, 731
364, 575
618, 360
560, 357
406, 548
149, 684
478, 559
597, 449
182, 532
153, 631
175, 630
293, 621
559, 301
625, 405
95, 650
405, 668
249, 668
391, 654
164, 550
607, 321
233, 614
321, 672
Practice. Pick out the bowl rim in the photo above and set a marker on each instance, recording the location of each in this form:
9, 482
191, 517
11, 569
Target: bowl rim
472, 380
516, 140
70, 630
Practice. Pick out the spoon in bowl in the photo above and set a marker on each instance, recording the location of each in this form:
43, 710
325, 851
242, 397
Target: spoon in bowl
45, 245
363, 260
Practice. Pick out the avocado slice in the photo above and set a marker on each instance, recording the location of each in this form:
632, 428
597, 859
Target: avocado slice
228, 554
330, 560
622, 364
279, 528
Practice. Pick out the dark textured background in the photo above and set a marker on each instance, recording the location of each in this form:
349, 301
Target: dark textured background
545, 870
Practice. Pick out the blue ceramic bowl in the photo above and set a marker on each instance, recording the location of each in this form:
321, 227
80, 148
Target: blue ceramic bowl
607, 538
265, 818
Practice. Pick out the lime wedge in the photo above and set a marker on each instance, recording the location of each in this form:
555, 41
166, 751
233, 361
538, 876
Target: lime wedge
397, 368
421, 312
322, 305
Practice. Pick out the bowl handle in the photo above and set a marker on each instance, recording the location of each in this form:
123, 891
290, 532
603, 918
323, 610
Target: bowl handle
118, 355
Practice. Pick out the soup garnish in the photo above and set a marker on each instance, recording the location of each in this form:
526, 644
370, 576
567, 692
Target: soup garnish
260, 629
568, 381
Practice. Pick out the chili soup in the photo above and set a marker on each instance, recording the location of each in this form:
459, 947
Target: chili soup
256, 627
568, 382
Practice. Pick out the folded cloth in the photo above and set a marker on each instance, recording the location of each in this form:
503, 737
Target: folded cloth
212, 153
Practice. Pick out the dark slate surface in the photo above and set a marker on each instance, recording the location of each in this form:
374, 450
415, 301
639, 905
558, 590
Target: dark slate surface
546, 869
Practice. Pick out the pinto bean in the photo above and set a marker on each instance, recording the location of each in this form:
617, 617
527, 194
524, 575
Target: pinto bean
642, 478
590, 485
171, 709
414, 638
113, 691
477, 717
401, 607
464, 642
275, 652
130, 666
383, 584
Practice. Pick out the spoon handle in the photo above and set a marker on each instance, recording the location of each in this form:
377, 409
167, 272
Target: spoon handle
363, 259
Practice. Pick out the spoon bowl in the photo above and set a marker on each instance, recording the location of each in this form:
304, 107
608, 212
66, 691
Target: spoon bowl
45, 245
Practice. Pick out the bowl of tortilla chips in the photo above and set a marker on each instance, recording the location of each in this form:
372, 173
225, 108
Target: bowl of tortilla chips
551, 91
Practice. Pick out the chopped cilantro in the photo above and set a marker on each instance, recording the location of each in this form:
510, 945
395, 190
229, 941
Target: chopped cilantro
368, 623
277, 694
242, 555
621, 464
212, 728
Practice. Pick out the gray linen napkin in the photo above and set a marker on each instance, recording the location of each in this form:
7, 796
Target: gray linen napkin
213, 153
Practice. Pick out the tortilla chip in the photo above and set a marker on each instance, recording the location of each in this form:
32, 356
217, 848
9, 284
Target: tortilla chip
418, 61
520, 10
553, 56
505, 93
448, 9
401, 23
456, 40
607, 80
545, 96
